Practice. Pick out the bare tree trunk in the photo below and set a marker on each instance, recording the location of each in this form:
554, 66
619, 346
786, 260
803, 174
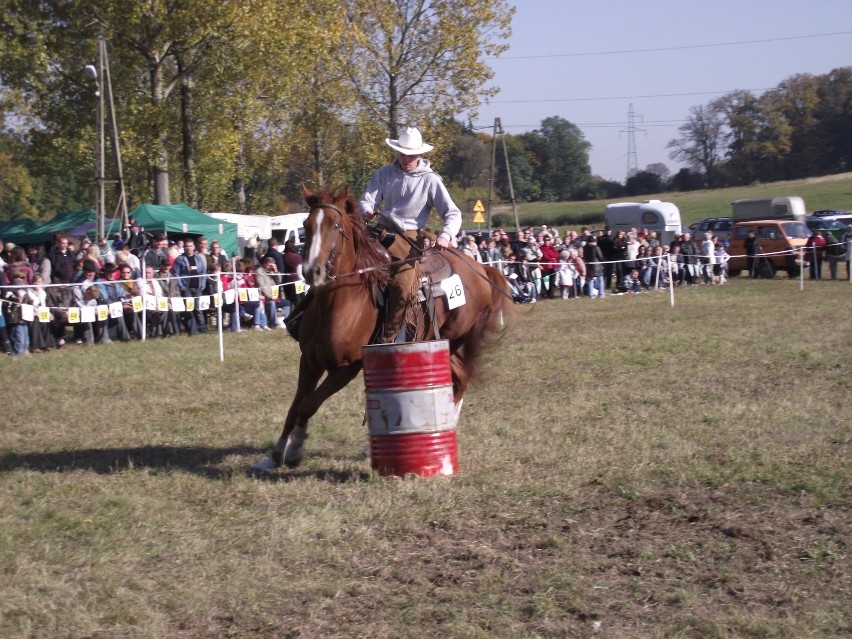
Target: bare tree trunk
239, 183
190, 184
160, 161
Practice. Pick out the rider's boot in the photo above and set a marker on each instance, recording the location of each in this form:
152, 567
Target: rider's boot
294, 319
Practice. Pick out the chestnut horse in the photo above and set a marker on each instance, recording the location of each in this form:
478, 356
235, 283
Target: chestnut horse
344, 268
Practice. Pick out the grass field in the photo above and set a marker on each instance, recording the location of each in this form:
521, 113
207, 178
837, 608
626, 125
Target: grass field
830, 192
628, 469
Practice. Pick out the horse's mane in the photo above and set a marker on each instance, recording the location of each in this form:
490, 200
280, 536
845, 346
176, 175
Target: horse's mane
367, 253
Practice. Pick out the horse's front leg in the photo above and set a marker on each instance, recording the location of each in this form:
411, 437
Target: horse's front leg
308, 379
307, 408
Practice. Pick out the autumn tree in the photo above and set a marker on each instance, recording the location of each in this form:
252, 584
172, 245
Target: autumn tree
416, 62
700, 143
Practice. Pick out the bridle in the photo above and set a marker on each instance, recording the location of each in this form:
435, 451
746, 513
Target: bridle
332, 256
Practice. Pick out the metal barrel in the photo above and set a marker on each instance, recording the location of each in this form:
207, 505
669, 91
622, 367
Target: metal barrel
411, 415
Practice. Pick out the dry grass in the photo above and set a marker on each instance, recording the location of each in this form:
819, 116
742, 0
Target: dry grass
628, 470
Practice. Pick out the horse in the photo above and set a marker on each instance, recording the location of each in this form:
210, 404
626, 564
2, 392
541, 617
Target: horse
346, 268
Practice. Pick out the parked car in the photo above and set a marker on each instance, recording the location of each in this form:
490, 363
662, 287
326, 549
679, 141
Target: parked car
829, 213
781, 241
718, 226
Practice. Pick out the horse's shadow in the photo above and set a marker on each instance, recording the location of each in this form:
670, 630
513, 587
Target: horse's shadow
208, 462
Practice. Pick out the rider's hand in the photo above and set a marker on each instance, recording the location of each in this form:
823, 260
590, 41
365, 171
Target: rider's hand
442, 242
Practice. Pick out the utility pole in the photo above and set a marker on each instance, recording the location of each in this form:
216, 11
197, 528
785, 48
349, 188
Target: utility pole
498, 130
103, 83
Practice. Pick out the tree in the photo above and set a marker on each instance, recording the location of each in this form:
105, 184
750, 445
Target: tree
563, 155
700, 143
643, 183
660, 169
470, 161
415, 62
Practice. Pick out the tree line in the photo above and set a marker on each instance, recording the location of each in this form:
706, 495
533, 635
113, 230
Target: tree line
231, 106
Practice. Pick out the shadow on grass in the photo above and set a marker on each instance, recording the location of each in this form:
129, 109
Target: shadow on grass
204, 461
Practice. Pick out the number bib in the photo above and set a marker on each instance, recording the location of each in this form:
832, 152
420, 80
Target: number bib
454, 289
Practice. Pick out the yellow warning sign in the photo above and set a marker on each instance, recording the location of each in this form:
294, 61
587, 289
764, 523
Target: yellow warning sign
478, 218
478, 208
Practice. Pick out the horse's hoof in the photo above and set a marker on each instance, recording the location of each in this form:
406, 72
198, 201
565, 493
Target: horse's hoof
265, 468
293, 462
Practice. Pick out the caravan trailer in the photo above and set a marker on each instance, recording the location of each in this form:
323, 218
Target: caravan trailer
654, 215
248, 226
769, 208
289, 227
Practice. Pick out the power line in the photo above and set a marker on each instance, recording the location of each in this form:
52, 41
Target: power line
680, 48
624, 97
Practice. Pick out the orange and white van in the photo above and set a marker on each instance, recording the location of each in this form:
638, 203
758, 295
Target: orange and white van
781, 244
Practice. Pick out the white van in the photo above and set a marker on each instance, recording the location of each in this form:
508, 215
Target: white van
289, 227
654, 215
248, 226
769, 208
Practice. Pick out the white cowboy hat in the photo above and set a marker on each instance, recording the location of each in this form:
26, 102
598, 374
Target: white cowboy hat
410, 142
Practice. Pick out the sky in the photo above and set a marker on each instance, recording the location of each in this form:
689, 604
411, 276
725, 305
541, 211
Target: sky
588, 62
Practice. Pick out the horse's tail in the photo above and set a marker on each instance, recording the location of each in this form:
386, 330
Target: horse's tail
489, 325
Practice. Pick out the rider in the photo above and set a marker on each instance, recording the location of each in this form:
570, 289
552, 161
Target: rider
408, 189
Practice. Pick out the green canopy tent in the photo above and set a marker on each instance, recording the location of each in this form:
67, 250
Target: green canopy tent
44, 232
20, 226
182, 220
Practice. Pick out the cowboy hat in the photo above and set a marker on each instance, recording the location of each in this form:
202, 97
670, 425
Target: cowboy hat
410, 142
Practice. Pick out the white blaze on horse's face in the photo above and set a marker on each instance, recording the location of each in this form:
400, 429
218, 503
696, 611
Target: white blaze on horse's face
314, 270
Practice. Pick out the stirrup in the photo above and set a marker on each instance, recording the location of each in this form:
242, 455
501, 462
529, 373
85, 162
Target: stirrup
292, 324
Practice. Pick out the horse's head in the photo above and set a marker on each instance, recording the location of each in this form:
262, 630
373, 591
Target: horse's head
328, 235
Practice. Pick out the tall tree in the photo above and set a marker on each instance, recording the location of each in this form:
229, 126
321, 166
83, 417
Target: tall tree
700, 143
415, 62
563, 155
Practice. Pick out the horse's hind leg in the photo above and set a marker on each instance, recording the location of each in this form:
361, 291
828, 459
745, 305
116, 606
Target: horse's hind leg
307, 408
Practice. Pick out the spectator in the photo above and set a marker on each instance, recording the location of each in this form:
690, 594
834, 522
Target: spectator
269, 282
708, 257
619, 255
123, 256
847, 242
605, 244
59, 299
39, 262
112, 291
107, 253
523, 290
631, 282
41, 337
136, 240
150, 289
595, 273
14, 297
549, 265
169, 285
470, 249
190, 270
720, 267
292, 272
273, 252
815, 250
19, 263
157, 247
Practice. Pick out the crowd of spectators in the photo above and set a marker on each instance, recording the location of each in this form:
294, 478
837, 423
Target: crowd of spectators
542, 264
138, 284
150, 285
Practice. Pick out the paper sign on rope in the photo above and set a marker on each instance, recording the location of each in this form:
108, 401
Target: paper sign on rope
300, 287
151, 303
103, 312
243, 295
74, 315
253, 295
116, 310
275, 292
87, 314
178, 304
136, 302
230, 295
162, 304
204, 303
190, 303
27, 312
217, 299
43, 314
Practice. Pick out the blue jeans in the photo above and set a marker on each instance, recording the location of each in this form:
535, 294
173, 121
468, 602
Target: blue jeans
19, 337
596, 287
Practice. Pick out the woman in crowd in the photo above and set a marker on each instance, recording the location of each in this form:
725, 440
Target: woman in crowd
41, 337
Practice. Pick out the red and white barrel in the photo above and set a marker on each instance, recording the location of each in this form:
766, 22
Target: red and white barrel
411, 415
